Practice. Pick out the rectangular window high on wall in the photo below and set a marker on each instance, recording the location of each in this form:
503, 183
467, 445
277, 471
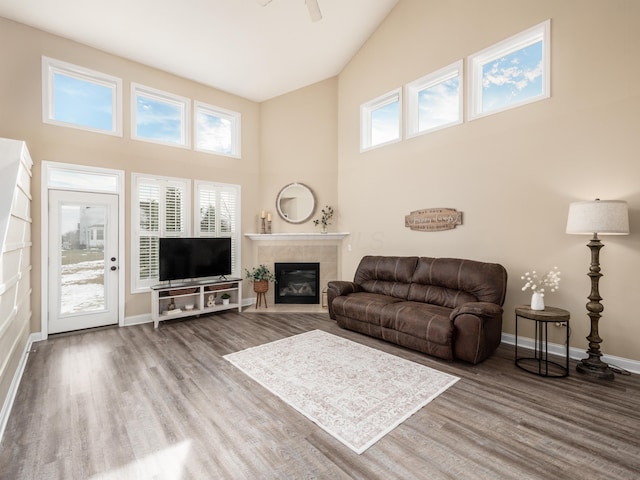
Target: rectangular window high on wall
380, 120
511, 73
217, 214
161, 207
217, 130
435, 100
78, 97
159, 117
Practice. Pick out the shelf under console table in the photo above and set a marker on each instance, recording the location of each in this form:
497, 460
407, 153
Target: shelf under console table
194, 298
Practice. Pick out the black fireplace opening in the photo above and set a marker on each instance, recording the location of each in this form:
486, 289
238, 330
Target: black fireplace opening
297, 283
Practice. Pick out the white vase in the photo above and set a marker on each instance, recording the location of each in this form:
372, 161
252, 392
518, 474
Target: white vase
537, 301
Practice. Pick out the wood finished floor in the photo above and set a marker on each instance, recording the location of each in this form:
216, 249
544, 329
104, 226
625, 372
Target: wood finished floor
140, 403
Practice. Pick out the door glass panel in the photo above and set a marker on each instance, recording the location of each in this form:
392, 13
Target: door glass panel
82, 286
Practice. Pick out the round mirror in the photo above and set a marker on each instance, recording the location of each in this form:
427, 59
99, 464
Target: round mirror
296, 203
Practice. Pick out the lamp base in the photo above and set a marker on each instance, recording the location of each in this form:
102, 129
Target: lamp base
594, 367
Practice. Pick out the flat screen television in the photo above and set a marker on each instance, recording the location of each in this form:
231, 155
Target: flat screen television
191, 258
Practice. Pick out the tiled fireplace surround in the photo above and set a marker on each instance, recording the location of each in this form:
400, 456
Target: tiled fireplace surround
326, 253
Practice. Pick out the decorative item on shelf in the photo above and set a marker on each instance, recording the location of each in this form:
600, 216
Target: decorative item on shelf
537, 285
260, 277
610, 217
225, 298
327, 213
262, 223
211, 300
268, 223
172, 305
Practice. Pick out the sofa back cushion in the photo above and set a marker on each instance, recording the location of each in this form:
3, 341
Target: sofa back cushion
450, 282
386, 275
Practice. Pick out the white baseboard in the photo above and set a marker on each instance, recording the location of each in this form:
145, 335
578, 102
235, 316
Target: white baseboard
632, 366
15, 383
137, 320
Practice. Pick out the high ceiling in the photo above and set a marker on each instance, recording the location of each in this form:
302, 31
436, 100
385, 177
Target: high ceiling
239, 46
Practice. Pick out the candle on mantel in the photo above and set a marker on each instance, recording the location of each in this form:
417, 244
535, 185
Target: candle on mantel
262, 214
268, 217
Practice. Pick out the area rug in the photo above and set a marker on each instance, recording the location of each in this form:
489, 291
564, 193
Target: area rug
355, 393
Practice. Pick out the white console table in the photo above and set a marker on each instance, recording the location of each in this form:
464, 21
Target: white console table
196, 298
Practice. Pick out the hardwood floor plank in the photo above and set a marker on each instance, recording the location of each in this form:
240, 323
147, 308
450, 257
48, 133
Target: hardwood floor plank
140, 402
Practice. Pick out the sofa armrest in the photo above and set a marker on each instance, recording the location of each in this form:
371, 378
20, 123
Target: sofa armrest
477, 330
479, 309
337, 288
342, 287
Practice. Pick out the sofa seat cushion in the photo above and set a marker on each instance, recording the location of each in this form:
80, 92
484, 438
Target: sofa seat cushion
421, 320
362, 306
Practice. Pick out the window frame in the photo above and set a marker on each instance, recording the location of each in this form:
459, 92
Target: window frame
414, 88
52, 66
235, 236
183, 103
476, 62
137, 179
236, 128
366, 125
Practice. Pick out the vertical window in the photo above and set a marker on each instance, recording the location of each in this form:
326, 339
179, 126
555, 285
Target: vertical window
160, 208
159, 117
77, 97
217, 130
380, 120
511, 73
435, 101
217, 214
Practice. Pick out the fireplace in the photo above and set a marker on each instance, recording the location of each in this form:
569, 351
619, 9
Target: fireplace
297, 283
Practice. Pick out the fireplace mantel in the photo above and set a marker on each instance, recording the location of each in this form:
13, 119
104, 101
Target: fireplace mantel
275, 237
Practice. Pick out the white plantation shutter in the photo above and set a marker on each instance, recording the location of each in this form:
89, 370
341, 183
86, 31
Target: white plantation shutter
218, 207
149, 228
207, 208
174, 214
162, 211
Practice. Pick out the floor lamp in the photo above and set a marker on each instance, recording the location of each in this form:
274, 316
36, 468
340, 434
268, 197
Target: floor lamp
606, 217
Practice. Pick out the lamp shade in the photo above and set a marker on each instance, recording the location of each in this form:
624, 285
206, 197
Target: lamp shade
599, 216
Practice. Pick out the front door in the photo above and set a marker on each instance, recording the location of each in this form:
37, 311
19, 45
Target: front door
83, 263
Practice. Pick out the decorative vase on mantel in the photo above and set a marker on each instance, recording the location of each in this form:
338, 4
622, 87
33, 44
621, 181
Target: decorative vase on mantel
537, 301
324, 229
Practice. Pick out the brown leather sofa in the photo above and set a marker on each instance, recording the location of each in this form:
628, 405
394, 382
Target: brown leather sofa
447, 307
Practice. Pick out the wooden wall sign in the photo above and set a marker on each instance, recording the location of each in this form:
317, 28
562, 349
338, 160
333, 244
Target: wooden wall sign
433, 219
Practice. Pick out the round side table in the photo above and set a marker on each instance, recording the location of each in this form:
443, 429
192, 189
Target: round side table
540, 364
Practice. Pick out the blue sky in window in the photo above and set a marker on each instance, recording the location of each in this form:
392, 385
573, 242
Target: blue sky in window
385, 124
439, 105
158, 120
82, 103
213, 133
513, 78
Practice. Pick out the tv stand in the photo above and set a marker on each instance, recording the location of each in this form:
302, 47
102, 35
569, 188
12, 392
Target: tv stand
194, 298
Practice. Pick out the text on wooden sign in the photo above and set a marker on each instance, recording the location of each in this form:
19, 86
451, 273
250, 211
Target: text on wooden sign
433, 219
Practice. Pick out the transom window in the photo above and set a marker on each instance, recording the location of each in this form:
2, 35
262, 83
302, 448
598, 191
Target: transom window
380, 122
217, 130
511, 73
435, 100
78, 97
159, 117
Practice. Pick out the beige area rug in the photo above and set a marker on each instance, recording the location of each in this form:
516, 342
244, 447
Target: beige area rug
355, 393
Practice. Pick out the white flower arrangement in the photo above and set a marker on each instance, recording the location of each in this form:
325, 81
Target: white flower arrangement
551, 280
